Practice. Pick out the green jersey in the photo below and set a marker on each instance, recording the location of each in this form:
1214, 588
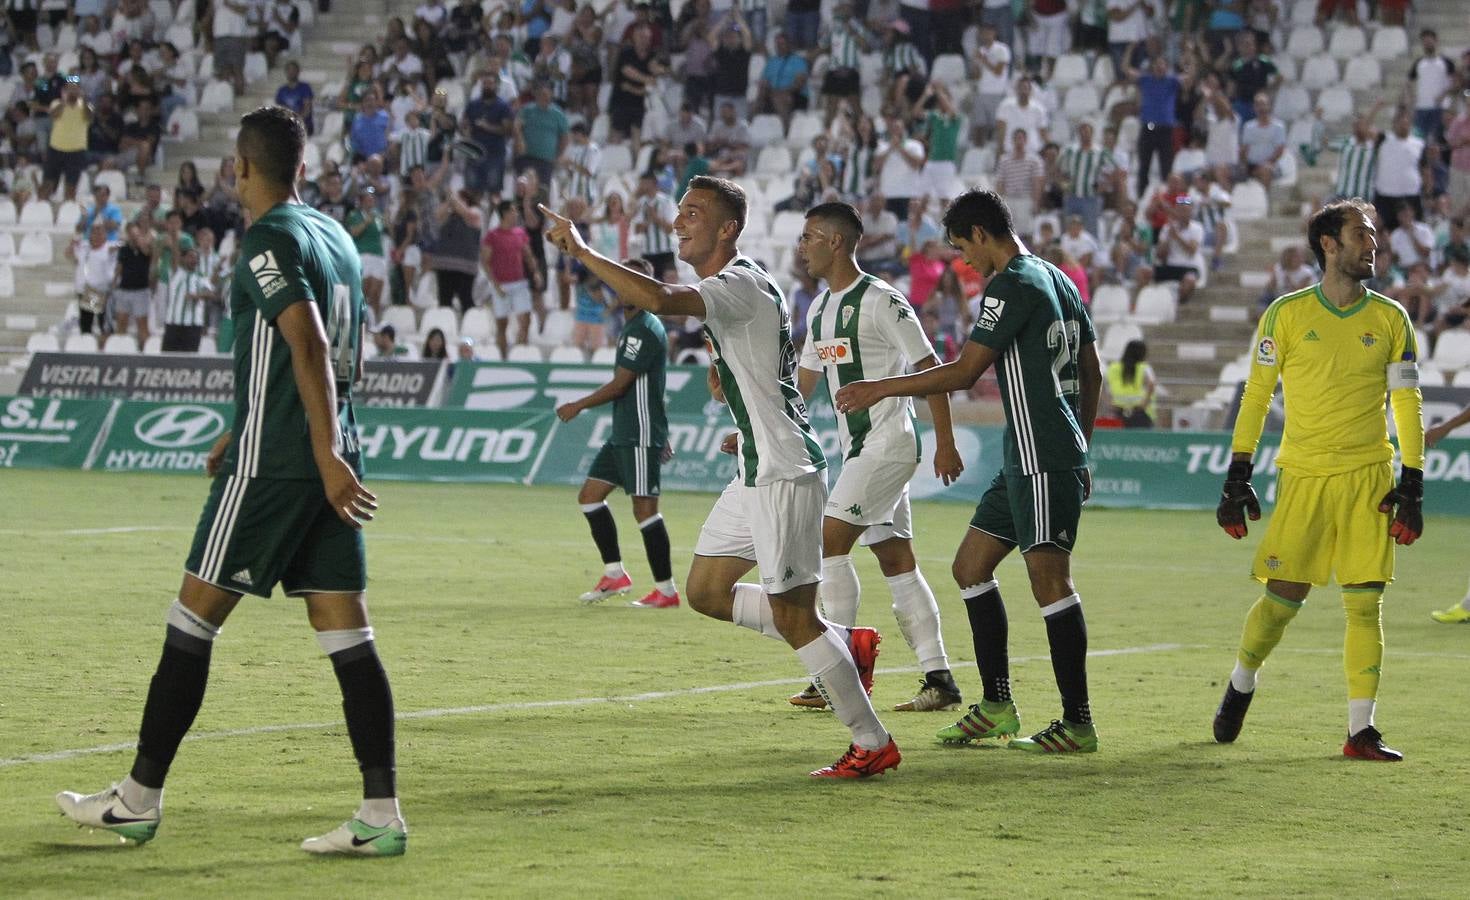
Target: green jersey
638, 415
290, 254
1033, 317
370, 241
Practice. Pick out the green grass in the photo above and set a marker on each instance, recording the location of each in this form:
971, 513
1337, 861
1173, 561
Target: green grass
473, 595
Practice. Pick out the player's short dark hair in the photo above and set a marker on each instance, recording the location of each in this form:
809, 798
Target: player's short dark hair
504, 207
273, 138
1328, 222
843, 216
729, 196
639, 265
973, 208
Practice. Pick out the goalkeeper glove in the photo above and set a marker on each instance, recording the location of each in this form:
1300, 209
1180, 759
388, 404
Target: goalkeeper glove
1408, 496
1237, 499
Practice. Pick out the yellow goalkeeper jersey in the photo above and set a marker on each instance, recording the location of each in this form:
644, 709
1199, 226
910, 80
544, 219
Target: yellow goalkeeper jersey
1335, 366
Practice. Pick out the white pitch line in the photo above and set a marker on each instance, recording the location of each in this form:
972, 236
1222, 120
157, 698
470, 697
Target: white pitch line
446, 712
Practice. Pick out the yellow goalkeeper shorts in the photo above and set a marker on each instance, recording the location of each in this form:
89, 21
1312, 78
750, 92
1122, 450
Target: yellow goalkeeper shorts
1328, 525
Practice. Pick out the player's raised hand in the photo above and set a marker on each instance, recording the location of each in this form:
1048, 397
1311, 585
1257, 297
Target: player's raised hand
947, 463
857, 396
353, 503
1408, 497
1237, 500
562, 232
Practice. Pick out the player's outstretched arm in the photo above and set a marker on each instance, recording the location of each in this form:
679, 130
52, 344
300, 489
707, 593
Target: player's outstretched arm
301, 325
958, 375
622, 382
630, 287
947, 463
1441, 431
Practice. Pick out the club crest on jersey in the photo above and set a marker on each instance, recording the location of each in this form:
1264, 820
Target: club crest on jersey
990, 313
834, 352
267, 273
1368, 339
1266, 352
631, 346
847, 312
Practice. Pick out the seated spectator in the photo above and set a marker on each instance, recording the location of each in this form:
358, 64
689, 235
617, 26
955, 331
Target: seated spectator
783, 82
1452, 304
140, 136
1080, 244
385, 344
905, 71
96, 264
434, 345
175, 81
729, 143
1418, 294
1053, 253
333, 201
1291, 273
1262, 143
927, 266
590, 313
1131, 387
1211, 196
1251, 75
1412, 241
297, 96
1022, 111
1018, 180
878, 248
1163, 200
222, 209
1180, 249
686, 128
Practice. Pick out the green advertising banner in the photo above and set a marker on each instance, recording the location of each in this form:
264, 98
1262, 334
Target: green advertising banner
453, 444
49, 433
162, 437
542, 387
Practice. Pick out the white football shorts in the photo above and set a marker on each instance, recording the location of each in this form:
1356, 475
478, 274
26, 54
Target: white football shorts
777, 525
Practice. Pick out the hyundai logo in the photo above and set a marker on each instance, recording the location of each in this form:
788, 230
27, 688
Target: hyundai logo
173, 427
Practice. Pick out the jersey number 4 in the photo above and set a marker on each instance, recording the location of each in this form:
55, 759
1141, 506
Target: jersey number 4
339, 334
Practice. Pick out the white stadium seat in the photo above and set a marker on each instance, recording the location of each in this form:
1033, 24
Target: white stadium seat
123, 344
1082, 100
766, 130
604, 356
1249, 202
1453, 350
949, 69
567, 355
1071, 68
616, 159
1390, 44
402, 319
1363, 73
1336, 104
443, 318
477, 324
68, 215
1117, 337
42, 343
35, 249
37, 214
154, 345
1429, 376
1292, 102
1110, 304
1319, 72
1304, 42
218, 96
7, 212
81, 343
117, 184
1347, 42
1156, 305
524, 353
774, 160
786, 227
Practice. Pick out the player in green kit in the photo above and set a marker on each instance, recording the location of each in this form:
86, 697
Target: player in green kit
287, 504
631, 457
1033, 328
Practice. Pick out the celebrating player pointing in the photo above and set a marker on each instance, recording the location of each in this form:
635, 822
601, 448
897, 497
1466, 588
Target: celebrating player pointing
771, 514
1337, 348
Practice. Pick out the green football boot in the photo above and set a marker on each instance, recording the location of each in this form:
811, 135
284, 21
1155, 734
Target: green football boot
984, 720
1060, 736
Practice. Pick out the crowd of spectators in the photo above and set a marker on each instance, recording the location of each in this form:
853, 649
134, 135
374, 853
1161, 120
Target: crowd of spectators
436, 143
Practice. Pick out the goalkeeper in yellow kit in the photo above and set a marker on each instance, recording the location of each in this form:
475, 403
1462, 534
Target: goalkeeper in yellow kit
1337, 349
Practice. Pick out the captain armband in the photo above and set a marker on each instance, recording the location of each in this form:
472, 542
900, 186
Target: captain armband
1403, 374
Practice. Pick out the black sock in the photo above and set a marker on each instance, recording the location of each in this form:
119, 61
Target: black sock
1066, 631
604, 533
367, 702
656, 544
174, 698
991, 633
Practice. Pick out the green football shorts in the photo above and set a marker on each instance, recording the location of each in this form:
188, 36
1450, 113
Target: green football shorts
257, 532
1027, 510
634, 469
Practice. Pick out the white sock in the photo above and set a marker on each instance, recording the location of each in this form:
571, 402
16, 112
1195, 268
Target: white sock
917, 613
189, 623
835, 675
752, 609
1244, 679
1360, 715
379, 811
336, 641
614, 569
137, 798
841, 590
666, 587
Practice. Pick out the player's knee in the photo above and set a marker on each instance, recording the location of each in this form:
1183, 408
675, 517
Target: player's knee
706, 598
895, 557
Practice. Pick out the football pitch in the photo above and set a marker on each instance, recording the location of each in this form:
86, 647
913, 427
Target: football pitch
551, 749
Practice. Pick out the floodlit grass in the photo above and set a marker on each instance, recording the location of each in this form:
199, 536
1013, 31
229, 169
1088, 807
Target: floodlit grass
636, 782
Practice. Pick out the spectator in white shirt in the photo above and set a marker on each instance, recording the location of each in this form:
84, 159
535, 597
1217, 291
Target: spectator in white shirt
96, 260
1181, 249
1025, 112
1412, 241
1127, 24
877, 249
1262, 143
900, 164
1432, 75
990, 63
1079, 244
1398, 178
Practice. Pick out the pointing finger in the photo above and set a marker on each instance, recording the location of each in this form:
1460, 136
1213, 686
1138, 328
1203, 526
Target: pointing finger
555, 215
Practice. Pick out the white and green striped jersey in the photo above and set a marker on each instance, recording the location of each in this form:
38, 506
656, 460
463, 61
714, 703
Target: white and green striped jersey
413, 149
857, 170
1082, 168
845, 43
749, 333
867, 330
589, 157
650, 209
901, 57
1356, 167
184, 309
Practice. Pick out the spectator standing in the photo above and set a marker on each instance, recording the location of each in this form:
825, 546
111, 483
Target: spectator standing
803, 22
1250, 75
635, 75
905, 70
782, 88
66, 149
582, 165
96, 265
1000, 15
1432, 76
368, 135
990, 60
732, 41
297, 96
102, 210
844, 43
1128, 22
132, 298
1024, 111
900, 164
878, 248
942, 126
505, 256
729, 142
1086, 171
1412, 241
1458, 137
232, 35
1181, 249
653, 220
1357, 160
365, 224
487, 120
1018, 178
857, 161
1158, 95
456, 256
1399, 176
541, 131
1051, 33
186, 314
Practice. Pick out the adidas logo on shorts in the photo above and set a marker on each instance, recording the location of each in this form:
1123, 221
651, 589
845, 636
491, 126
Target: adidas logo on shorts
242, 576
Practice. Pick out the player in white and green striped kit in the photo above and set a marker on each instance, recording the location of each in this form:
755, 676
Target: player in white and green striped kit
1033, 328
186, 312
1357, 161
862, 327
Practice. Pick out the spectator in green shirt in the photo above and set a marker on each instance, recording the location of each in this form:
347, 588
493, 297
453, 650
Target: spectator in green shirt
541, 134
